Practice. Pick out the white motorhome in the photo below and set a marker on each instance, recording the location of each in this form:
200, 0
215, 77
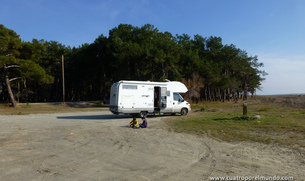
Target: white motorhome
140, 98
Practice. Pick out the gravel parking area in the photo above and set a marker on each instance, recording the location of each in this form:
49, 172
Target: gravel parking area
99, 146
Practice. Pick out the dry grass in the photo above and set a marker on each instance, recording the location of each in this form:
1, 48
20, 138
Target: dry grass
282, 121
284, 100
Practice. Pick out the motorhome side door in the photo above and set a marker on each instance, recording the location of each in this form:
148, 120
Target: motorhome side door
163, 97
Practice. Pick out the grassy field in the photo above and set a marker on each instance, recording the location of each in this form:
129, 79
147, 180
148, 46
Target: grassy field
280, 120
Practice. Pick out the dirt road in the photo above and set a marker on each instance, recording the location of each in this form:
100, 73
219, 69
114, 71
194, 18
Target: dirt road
99, 146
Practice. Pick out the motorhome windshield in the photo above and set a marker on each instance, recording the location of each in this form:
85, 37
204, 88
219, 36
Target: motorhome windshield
177, 97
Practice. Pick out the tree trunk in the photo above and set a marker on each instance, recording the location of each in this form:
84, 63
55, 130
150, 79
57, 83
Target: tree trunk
205, 94
210, 98
245, 90
8, 84
26, 91
19, 93
7, 81
219, 94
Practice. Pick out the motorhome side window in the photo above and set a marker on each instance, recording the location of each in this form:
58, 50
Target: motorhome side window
177, 97
130, 87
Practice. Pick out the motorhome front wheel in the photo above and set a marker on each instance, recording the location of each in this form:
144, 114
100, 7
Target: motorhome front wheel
183, 112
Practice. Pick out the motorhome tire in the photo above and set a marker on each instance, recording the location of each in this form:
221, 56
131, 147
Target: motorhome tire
143, 114
183, 112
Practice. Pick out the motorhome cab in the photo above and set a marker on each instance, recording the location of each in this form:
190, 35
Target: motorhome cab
140, 98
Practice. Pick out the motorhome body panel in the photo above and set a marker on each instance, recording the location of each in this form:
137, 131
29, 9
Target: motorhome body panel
136, 97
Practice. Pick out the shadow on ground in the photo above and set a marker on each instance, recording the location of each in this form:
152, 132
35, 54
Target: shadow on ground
107, 116
87, 104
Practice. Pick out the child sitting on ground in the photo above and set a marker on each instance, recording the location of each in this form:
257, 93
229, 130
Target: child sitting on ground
144, 124
134, 123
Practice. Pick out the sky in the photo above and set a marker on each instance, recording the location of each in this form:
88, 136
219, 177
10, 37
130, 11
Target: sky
274, 30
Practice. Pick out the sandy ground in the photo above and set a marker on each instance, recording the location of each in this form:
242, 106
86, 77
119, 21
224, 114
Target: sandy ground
99, 146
